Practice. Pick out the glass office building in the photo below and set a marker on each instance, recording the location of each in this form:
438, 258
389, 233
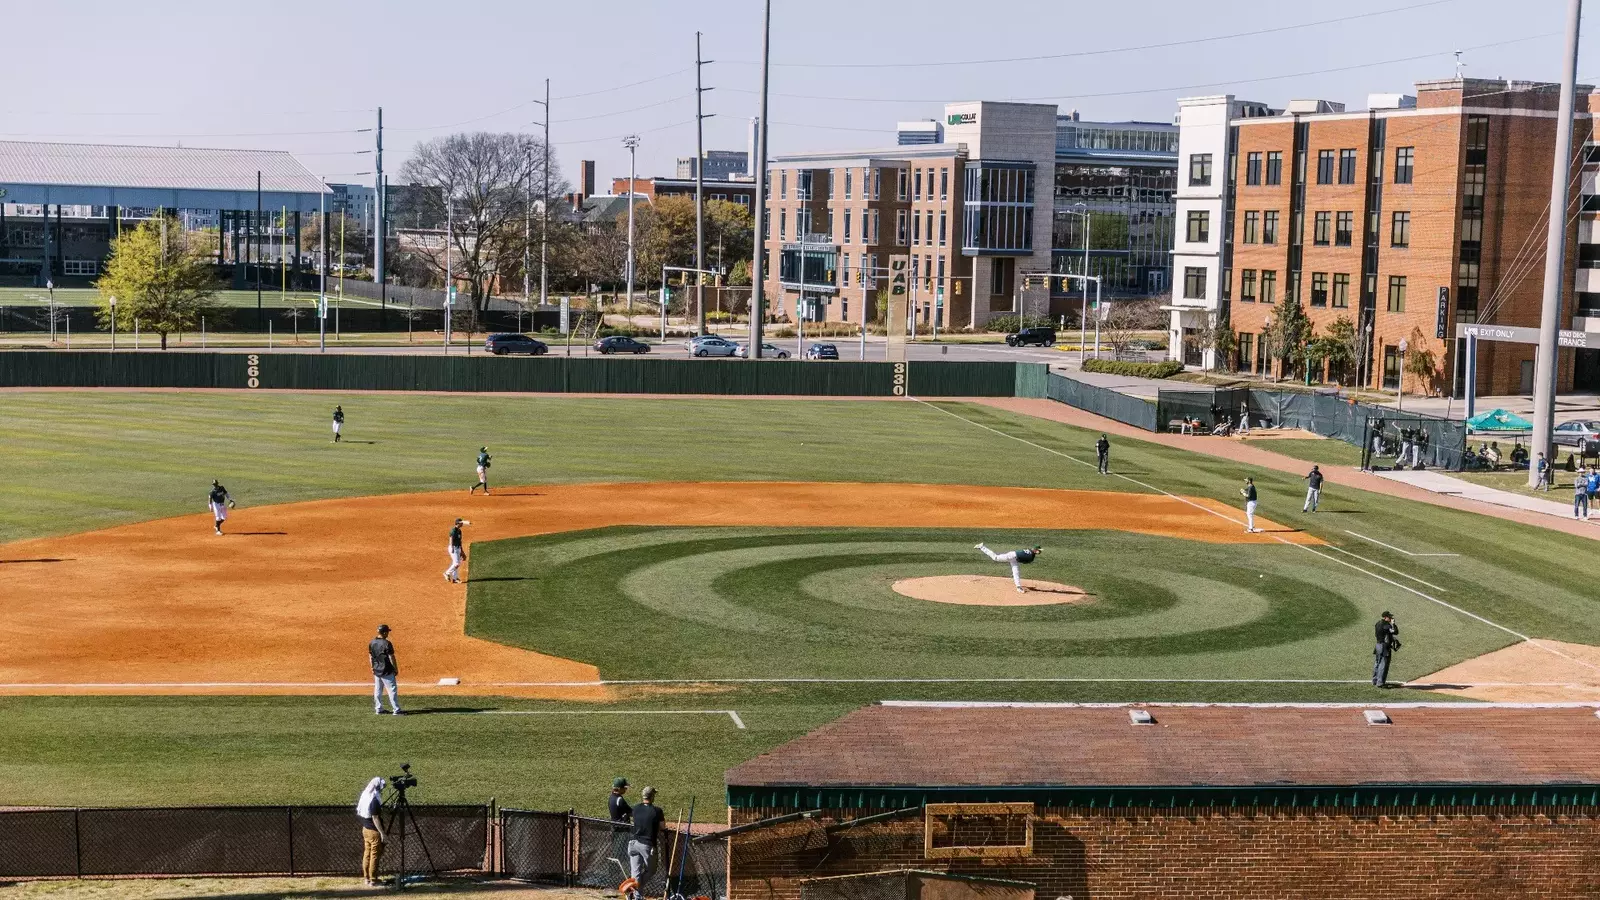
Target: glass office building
1124, 176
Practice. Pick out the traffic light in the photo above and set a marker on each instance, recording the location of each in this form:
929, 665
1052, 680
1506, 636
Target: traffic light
827, 276
1066, 285
958, 287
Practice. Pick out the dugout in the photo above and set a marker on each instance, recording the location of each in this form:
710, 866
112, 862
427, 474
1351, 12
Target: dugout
1273, 801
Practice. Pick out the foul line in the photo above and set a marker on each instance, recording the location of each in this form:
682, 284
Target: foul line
1411, 590
1179, 704
732, 714
1393, 547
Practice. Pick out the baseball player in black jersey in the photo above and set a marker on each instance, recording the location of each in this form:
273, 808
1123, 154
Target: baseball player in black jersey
1248, 492
483, 471
338, 422
220, 502
1017, 559
457, 553
1102, 455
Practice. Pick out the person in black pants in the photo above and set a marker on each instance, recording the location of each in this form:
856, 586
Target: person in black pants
1388, 641
1102, 453
647, 828
1313, 480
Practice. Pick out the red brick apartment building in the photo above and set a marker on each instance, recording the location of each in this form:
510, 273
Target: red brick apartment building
1380, 216
1047, 801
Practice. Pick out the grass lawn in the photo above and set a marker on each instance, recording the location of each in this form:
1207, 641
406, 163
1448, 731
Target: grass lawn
1517, 483
697, 602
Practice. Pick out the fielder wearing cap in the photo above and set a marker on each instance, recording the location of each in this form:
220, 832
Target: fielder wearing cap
618, 805
1016, 558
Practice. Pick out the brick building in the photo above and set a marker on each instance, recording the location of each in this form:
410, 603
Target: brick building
1280, 802
738, 190
1417, 213
1003, 193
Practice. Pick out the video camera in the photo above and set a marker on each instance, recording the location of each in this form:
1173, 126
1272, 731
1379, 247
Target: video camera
404, 780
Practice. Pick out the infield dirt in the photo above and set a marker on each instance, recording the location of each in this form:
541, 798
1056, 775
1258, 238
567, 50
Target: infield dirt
285, 602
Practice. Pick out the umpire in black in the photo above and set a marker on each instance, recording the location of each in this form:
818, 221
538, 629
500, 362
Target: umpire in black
1388, 641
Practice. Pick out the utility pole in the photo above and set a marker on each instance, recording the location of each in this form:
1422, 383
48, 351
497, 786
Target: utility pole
1545, 362
632, 143
699, 189
544, 208
380, 217
322, 269
449, 233
758, 306
255, 247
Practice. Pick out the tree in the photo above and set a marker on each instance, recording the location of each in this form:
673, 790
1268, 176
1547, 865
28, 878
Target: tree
481, 184
1127, 320
157, 282
1289, 331
1341, 344
1217, 335
740, 275
1421, 362
340, 225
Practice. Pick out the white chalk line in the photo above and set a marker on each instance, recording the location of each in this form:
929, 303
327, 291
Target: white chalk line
680, 682
1411, 590
1393, 547
731, 714
1179, 704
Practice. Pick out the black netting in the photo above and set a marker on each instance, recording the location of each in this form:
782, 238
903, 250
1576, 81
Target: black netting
327, 839
1101, 401
193, 841
534, 845
785, 839
38, 843
601, 854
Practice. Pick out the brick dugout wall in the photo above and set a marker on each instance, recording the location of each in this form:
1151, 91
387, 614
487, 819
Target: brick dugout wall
1241, 852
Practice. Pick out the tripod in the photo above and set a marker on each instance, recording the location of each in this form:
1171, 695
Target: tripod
406, 820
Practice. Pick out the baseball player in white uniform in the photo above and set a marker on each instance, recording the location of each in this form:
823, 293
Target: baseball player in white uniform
219, 501
457, 554
1249, 494
1017, 559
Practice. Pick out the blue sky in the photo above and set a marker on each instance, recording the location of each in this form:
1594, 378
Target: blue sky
305, 76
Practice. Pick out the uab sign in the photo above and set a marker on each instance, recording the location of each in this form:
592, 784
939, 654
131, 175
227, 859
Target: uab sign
967, 118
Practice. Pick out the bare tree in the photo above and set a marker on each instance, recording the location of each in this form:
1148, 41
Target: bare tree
481, 183
1126, 321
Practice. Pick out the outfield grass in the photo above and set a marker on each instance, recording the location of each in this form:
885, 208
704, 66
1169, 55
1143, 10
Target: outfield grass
1323, 452
80, 460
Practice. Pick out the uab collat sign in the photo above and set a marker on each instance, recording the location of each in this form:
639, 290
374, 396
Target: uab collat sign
967, 118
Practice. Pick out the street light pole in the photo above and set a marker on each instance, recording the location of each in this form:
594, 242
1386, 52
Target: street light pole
758, 264
632, 143
113, 324
322, 269
699, 189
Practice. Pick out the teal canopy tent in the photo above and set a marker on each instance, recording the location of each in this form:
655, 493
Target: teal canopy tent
1498, 420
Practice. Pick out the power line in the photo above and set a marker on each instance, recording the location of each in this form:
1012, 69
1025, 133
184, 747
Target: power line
1112, 50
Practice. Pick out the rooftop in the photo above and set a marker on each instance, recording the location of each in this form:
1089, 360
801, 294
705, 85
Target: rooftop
916, 745
171, 168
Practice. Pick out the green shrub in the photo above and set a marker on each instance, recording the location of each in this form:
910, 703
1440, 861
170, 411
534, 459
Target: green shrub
1165, 369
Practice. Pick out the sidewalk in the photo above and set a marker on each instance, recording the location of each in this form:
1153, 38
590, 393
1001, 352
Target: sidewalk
1441, 483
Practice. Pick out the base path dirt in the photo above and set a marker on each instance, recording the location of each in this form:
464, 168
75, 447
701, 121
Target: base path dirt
1241, 451
286, 601
988, 590
1536, 671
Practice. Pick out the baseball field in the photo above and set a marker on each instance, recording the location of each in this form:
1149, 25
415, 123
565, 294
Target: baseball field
661, 588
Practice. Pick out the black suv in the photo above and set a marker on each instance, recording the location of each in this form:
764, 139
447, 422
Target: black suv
1032, 337
501, 344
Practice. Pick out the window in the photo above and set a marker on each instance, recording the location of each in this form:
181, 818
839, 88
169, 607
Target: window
1472, 181
1269, 286
783, 185
1347, 167
1397, 293
1324, 167
944, 184
902, 228
1252, 227
849, 177
802, 222
1404, 161
874, 227
802, 185
942, 229
844, 270
783, 224
1199, 226
1246, 340
916, 229
927, 225
833, 184
1199, 169
1274, 167
916, 184
1247, 285
1322, 229
1269, 227
1194, 283
1319, 288
877, 181
902, 183
1341, 290
846, 227
79, 266
1400, 233
1391, 368
1344, 226
1252, 168
977, 830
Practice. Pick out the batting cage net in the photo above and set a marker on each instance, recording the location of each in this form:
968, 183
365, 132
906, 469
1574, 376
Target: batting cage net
1399, 441
536, 846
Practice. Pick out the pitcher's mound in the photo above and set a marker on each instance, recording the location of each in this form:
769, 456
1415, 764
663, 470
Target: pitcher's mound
988, 590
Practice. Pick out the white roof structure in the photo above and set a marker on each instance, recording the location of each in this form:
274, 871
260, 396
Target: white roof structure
176, 177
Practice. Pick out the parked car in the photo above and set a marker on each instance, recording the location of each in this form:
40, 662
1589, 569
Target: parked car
1032, 337
1576, 432
822, 351
618, 343
710, 345
502, 344
767, 351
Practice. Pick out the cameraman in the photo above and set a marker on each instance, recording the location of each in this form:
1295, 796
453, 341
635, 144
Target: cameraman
1388, 641
367, 809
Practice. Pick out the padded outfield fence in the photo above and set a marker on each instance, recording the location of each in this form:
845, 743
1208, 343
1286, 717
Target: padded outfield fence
548, 374
555, 848
1326, 414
